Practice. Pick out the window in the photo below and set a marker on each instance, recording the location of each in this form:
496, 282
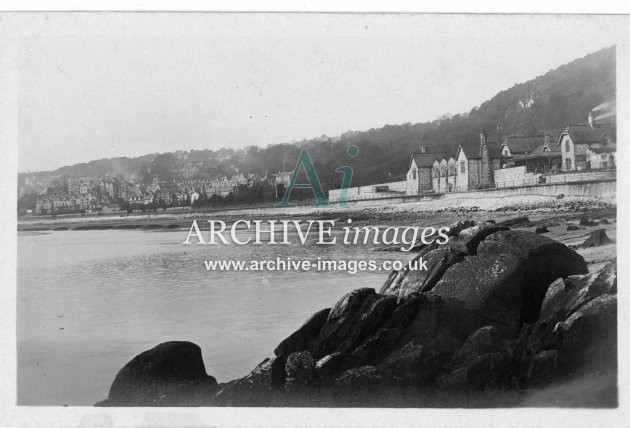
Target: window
567, 147
463, 165
414, 174
568, 164
435, 172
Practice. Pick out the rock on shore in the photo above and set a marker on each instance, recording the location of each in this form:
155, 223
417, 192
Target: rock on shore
499, 315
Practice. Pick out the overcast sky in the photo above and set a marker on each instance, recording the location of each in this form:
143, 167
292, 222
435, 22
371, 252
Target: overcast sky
106, 85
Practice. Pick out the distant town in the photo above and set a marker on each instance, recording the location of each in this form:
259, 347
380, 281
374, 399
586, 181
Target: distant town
93, 195
516, 158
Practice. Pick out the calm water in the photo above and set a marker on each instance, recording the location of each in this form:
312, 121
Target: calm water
89, 301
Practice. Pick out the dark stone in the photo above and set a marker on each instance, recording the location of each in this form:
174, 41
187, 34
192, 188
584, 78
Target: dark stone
585, 221
300, 369
435, 322
465, 237
416, 362
515, 222
597, 238
491, 285
485, 371
587, 340
485, 340
471, 237
255, 389
407, 362
455, 228
542, 229
560, 196
572, 227
349, 302
390, 281
361, 377
278, 372
603, 221
356, 316
437, 261
543, 368
172, 373
373, 349
304, 337
564, 298
548, 261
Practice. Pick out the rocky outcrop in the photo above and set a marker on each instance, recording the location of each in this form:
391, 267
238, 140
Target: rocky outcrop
547, 260
491, 285
465, 238
596, 238
497, 314
171, 374
305, 336
578, 319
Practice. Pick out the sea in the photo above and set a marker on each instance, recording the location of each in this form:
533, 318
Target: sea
88, 301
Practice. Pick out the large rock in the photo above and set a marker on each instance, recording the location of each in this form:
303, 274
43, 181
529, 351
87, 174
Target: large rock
464, 241
565, 296
469, 239
490, 370
548, 261
485, 340
300, 370
353, 318
171, 374
578, 319
437, 261
420, 348
588, 338
305, 336
491, 285
255, 389
348, 303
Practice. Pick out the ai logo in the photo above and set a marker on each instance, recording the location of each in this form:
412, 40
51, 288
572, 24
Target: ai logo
305, 161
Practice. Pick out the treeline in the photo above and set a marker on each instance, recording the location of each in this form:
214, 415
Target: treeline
562, 96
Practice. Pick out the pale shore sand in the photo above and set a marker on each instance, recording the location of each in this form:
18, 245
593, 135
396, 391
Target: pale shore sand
377, 208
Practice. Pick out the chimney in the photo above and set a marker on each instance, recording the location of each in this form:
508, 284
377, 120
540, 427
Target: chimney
422, 148
482, 138
547, 140
591, 119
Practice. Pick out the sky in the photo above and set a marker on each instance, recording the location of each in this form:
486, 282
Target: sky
103, 85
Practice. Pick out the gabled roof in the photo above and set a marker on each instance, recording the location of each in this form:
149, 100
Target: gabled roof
425, 160
494, 151
554, 149
584, 134
522, 145
473, 150
611, 148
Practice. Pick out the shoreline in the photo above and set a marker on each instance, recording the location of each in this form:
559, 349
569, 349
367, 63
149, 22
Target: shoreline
426, 340
376, 213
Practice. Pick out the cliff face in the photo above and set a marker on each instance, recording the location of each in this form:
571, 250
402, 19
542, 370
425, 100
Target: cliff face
499, 312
